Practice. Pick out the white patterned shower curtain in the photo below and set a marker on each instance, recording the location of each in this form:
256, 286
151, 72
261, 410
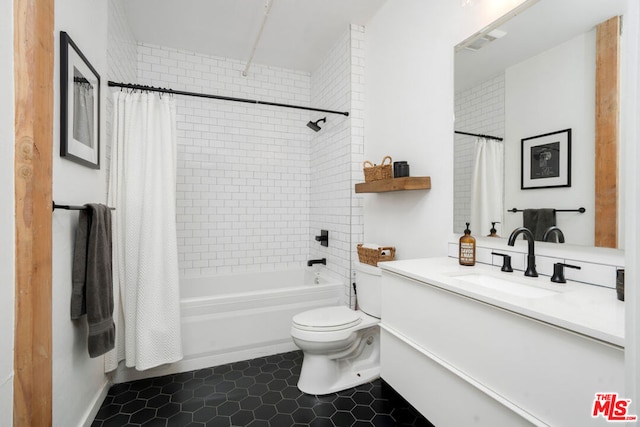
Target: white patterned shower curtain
487, 185
142, 188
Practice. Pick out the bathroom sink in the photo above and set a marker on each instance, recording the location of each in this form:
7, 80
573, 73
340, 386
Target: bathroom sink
511, 287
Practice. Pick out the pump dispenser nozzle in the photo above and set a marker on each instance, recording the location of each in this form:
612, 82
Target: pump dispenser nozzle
493, 232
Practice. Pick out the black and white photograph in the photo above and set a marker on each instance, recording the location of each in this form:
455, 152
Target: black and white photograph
79, 106
546, 160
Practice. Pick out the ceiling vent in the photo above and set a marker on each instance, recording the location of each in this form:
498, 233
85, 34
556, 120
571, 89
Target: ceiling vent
485, 39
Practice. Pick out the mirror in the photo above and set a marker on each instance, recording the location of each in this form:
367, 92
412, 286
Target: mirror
526, 76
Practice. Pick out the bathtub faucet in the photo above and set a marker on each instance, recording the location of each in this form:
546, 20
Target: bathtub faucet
311, 262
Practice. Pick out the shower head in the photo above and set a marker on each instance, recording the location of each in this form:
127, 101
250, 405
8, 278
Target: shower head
314, 125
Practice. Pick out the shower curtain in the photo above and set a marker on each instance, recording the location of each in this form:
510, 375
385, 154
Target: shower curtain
487, 185
142, 188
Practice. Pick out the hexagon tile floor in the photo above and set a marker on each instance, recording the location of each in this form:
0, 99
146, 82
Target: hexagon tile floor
256, 393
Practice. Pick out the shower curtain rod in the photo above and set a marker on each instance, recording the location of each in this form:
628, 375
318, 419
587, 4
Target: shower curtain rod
479, 135
223, 98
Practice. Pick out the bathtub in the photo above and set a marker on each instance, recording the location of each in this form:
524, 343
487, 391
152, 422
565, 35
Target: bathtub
243, 316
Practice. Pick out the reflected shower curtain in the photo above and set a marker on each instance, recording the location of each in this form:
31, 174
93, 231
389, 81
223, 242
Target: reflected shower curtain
83, 113
487, 186
142, 188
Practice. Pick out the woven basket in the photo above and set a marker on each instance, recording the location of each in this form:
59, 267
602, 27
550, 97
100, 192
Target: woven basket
376, 173
374, 256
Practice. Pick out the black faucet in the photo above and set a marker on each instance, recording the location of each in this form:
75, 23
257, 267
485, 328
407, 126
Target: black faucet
531, 257
553, 229
311, 262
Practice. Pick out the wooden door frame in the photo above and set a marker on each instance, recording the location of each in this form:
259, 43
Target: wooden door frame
33, 90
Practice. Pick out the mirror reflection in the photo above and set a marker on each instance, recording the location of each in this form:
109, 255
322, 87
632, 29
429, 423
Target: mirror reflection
82, 108
523, 78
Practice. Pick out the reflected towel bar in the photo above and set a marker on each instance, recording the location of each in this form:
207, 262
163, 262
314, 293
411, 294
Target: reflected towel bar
71, 207
581, 210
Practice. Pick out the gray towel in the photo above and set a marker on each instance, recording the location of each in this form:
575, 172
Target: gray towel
538, 221
92, 292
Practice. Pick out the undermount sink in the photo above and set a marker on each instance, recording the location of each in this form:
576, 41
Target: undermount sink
506, 286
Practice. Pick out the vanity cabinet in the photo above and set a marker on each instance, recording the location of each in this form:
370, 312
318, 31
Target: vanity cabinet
461, 361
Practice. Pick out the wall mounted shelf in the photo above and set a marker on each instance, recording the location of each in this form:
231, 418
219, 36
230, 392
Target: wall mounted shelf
395, 184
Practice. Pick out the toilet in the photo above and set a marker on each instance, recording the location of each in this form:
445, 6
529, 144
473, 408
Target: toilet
341, 347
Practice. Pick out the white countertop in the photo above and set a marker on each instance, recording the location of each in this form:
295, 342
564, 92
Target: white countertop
589, 310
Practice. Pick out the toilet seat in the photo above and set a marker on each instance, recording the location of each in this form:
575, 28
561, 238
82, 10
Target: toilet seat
327, 319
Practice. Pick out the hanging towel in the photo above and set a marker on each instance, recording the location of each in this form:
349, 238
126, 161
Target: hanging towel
538, 221
92, 292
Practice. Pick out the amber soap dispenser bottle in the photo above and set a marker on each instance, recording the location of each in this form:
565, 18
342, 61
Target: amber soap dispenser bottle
467, 252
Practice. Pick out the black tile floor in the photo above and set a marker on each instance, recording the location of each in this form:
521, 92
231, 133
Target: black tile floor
256, 393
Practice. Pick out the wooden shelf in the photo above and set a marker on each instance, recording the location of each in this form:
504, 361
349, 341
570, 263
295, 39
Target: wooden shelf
395, 184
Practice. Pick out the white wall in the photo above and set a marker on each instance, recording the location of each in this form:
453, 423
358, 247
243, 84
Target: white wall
7, 223
552, 91
389, 39
409, 115
74, 373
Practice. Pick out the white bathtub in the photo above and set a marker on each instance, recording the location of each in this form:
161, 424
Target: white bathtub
243, 316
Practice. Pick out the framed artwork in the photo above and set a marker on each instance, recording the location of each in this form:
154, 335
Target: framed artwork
79, 106
546, 160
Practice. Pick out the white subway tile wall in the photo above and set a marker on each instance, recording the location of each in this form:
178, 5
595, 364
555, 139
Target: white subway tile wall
255, 185
357, 142
122, 66
243, 169
252, 191
335, 149
477, 110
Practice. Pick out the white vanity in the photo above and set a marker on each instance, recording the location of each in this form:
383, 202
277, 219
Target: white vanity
476, 346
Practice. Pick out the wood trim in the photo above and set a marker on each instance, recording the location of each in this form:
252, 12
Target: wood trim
607, 132
33, 82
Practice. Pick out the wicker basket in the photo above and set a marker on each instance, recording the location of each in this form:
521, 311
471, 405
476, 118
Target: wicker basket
376, 173
374, 256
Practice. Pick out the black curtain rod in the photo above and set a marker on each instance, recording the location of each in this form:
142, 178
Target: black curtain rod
223, 98
581, 210
479, 135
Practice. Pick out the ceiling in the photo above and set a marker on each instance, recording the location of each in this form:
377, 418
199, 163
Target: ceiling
545, 24
297, 34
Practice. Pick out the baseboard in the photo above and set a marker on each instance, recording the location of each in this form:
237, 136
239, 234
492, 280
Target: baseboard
97, 403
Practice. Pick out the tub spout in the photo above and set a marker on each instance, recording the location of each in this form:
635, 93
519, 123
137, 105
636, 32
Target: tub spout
311, 262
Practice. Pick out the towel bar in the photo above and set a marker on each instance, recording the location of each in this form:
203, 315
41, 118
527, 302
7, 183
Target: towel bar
581, 210
71, 207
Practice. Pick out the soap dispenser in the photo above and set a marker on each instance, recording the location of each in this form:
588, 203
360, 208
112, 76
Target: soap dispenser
467, 252
493, 232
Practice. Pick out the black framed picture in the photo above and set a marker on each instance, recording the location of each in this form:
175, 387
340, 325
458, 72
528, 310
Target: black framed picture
79, 106
546, 160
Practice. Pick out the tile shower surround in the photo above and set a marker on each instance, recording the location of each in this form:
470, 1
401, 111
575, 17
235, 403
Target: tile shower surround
257, 392
245, 171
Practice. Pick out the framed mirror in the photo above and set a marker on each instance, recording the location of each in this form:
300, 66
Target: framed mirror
533, 73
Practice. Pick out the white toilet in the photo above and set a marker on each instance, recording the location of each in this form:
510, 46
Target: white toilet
341, 346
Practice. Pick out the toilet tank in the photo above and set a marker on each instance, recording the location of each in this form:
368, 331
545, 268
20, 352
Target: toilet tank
369, 289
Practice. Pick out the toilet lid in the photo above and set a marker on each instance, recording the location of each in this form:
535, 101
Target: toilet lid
327, 319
